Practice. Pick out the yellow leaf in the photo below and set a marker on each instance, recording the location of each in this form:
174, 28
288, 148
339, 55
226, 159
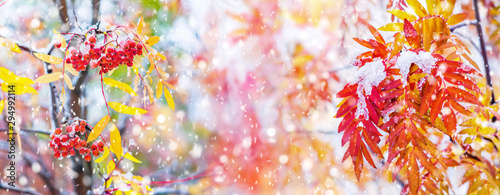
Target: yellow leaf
60, 38
122, 108
487, 130
170, 99
68, 82
392, 27
159, 90
152, 40
448, 10
403, 15
96, 131
168, 85
160, 56
2, 104
103, 156
111, 166
9, 76
47, 78
123, 86
151, 63
18, 88
417, 7
416, 77
10, 44
140, 24
162, 73
48, 58
457, 18
132, 158
116, 141
71, 70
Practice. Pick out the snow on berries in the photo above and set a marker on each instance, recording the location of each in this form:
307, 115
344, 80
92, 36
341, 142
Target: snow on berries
69, 143
106, 53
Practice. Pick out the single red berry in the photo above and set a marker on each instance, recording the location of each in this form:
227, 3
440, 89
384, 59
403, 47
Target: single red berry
64, 153
88, 157
100, 144
64, 138
81, 151
92, 39
71, 152
57, 131
83, 143
57, 154
95, 153
69, 129
52, 136
58, 45
57, 140
94, 146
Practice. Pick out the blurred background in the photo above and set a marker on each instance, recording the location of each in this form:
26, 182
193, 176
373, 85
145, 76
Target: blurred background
255, 99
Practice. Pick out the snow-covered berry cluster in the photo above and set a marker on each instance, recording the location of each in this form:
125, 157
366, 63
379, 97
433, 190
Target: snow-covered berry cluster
103, 54
68, 143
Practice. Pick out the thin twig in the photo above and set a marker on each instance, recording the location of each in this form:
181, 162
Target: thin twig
466, 23
483, 50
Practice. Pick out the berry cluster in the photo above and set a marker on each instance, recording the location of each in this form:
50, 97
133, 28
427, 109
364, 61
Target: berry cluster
68, 143
103, 55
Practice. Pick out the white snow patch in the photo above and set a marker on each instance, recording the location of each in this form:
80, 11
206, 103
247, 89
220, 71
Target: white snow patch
371, 74
424, 60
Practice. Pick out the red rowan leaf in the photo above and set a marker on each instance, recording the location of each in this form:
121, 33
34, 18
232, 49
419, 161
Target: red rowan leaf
348, 105
461, 80
349, 90
379, 49
348, 133
376, 34
363, 42
372, 113
413, 175
411, 34
428, 90
437, 104
462, 95
358, 165
346, 121
459, 108
450, 119
367, 156
392, 94
392, 85
373, 146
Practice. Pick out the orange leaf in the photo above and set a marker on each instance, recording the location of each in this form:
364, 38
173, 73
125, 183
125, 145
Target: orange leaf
376, 34
457, 18
413, 175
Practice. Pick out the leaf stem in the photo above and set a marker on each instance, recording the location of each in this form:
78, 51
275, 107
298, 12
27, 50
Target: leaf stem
105, 101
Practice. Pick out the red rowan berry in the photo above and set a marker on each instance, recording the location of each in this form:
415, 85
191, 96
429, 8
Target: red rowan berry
71, 152
81, 151
57, 140
57, 154
83, 143
58, 45
88, 157
92, 39
95, 153
57, 131
69, 129
64, 138
64, 153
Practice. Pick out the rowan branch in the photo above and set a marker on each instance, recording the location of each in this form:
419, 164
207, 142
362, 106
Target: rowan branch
483, 50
